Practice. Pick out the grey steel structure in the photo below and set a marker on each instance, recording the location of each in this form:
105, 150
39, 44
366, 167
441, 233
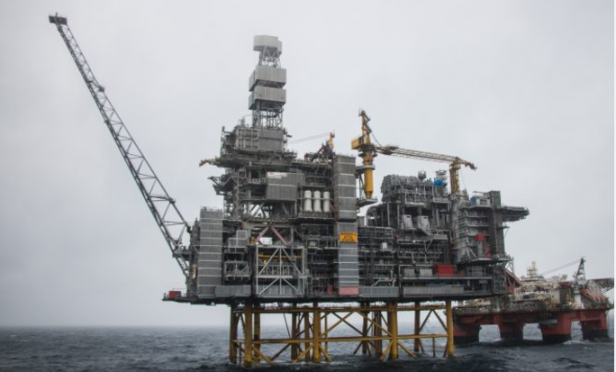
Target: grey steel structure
290, 231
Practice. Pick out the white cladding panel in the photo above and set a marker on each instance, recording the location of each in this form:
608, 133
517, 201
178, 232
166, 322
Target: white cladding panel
271, 43
268, 76
266, 94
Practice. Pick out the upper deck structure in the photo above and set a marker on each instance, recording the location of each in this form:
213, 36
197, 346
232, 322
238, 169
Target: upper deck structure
290, 230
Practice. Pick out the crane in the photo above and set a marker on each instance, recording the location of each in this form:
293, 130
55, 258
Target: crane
455, 163
163, 208
579, 277
367, 151
327, 148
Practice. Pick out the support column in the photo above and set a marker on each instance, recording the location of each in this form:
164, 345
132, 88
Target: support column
392, 327
316, 333
376, 331
559, 332
257, 334
364, 329
233, 334
511, 331
248, 334
307, 333
595, 329
417, 346
294, 333
450, 350
464, 334
326, 327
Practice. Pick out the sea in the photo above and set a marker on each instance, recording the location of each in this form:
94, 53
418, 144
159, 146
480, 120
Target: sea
206, 349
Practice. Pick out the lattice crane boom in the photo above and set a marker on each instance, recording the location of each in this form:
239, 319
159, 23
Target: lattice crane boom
166, 214
406, 153
579, 277
454, 162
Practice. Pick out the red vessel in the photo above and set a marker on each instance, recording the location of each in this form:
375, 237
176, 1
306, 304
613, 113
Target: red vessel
552, 303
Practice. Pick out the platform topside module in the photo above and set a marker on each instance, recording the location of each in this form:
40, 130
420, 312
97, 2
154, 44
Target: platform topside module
290, 229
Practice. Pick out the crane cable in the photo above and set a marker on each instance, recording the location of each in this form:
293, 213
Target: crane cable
310, 138
374, 136
560, 267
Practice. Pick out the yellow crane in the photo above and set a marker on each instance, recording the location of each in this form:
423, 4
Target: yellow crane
330, 140
367, 151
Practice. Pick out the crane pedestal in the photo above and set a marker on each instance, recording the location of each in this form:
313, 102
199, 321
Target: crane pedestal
374, 328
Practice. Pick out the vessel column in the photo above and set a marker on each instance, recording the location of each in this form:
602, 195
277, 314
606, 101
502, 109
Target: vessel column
559, 332
466, 334
595, 329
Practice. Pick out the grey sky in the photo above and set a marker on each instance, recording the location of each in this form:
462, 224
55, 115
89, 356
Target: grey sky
525, 89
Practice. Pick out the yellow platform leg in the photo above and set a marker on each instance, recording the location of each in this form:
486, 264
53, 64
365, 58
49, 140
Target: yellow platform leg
316, 334
450, 348
307, 333
248, 335
294, 334
417, 343
325, 327
378, 332
233, 335
257, 336
392, 323
364, 332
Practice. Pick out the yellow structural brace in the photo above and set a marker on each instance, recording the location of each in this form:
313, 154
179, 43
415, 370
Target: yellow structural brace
311, 329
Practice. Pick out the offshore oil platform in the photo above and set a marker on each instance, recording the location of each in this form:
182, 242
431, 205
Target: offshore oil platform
290, 240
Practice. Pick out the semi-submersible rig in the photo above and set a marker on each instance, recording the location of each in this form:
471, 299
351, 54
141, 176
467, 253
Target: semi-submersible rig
289, 239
